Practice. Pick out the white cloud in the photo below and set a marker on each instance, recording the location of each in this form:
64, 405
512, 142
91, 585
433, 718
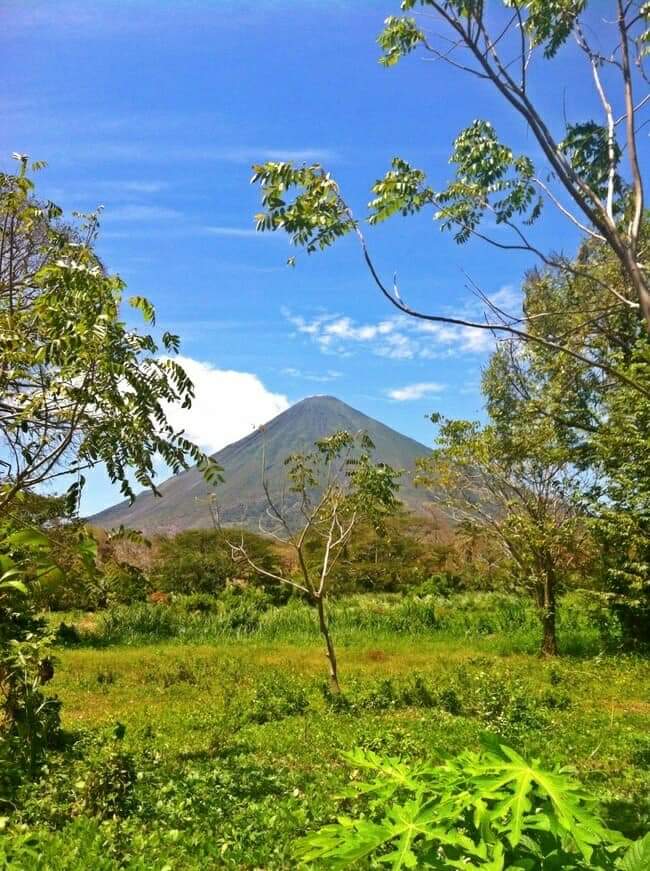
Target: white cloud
228, 405
334, 334
137, 187
330, 375
398, 346
396, 338
258, 155
455, 339
507, 298
415, 391
154, 151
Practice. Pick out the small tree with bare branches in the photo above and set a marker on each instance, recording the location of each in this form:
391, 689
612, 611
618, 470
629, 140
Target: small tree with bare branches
331, 489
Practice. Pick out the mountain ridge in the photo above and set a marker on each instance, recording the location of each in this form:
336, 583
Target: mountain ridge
185, 497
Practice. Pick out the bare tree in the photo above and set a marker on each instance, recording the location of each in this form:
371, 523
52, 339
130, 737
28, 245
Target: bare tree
330, 491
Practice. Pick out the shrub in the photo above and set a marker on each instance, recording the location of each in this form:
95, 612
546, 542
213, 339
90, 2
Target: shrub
275, 697
198, 603
241, 607
129, 623
67, 634
108, 789
441, 584
200, 561
29, 720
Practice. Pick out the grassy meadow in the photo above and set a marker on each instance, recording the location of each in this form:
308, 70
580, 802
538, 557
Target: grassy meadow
192, 741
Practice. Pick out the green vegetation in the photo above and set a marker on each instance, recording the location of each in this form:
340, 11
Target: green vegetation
334, 488
162, 703
224, 753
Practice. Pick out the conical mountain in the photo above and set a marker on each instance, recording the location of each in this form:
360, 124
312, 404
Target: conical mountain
185, 497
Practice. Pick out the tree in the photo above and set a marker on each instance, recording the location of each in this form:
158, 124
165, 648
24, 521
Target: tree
402, 556
519, 486
198, 561
332, 490
589, 171
603, 424
77, 387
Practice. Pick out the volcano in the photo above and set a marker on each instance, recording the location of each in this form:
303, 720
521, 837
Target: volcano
184, 500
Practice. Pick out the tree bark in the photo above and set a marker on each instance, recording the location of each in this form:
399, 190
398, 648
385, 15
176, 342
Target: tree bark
549, 636
329, 646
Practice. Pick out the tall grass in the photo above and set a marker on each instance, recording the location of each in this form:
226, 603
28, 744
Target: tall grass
507, 623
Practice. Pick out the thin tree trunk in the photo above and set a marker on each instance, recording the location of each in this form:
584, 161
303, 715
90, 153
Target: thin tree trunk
330, 652
549, 636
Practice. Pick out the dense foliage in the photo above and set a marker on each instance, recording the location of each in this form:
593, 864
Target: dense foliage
600, 424
490, 810
195, 755
77, 388
201, 561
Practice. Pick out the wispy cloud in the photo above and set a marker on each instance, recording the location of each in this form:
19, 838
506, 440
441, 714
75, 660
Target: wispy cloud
334, 334
330, 375
156, 151
134, 186
396, 338
238, 232
137, 212
247, 154
415, 391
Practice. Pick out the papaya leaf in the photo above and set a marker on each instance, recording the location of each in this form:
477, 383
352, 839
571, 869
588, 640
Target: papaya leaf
637, 857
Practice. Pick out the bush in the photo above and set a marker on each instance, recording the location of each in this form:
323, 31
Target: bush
200, 561
442, 584
198, 603
241, 607
275, 697
108, 789
29, 720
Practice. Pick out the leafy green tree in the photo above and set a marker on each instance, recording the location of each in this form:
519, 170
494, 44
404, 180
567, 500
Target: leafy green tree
520, 487
77, 386
603, 423
589, 172
397, 557
621, 508
332, 490
199, 561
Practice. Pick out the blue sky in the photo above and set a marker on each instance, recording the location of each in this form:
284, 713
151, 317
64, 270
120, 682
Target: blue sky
156, 110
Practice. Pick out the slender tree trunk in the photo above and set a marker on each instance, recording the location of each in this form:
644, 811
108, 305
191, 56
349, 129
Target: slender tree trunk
549, 636
329, 646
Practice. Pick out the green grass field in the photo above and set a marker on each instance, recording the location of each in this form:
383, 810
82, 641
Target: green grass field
229, 751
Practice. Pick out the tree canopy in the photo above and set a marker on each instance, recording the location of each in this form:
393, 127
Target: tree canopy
588, 171
78, 387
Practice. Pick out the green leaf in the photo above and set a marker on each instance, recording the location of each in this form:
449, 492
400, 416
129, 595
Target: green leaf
143, 305
637, 857
17, 586
31, 539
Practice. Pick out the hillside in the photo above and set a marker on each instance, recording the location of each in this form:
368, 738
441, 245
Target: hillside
184, 503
